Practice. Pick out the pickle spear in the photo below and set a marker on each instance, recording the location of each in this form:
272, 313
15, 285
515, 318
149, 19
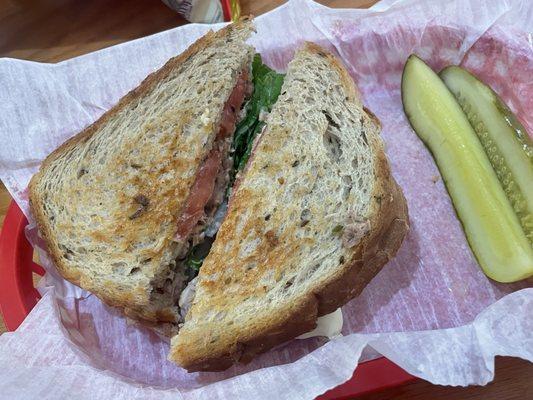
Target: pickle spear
491, 226
505, 140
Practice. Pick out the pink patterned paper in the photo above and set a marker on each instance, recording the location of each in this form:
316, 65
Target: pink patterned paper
431, 310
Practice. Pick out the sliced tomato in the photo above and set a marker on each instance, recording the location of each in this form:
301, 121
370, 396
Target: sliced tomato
203, 186
200, 194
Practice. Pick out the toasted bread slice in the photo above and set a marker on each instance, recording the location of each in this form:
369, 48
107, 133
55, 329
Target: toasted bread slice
313, 219
108, 201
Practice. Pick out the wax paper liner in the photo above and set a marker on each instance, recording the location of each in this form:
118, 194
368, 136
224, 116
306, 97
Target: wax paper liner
420, 311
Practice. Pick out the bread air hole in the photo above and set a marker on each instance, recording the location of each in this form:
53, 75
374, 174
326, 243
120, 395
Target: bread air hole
250, 266
363, 135
289, 283
331, 141
119, 267
347, 181
305, 217
313, 269
67, 253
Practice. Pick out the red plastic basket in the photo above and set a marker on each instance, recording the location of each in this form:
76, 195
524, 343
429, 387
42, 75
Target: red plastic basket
17, 294
226, 10
18, 297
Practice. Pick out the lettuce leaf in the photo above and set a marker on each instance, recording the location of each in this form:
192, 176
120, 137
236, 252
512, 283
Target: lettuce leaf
267, 87
196, 256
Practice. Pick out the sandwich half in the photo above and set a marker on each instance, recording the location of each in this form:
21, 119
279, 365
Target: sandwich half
120, 204
313, 217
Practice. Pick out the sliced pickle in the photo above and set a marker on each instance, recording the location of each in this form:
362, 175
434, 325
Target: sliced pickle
491, 226
504, 139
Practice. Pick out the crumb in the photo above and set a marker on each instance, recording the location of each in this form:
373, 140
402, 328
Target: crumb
435, 178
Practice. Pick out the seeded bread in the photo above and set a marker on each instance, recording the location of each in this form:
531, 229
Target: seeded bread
107, 201
314, 218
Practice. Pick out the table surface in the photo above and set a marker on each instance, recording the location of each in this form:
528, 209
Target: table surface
54, 30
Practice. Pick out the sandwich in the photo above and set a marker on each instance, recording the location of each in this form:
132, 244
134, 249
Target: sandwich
232, 202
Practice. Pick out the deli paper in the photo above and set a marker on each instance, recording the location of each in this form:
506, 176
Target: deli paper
430, 310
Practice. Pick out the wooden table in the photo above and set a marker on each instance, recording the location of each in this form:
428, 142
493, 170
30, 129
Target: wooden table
54, 30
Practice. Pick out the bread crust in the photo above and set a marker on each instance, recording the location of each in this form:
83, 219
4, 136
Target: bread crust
389, 225
133, 303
